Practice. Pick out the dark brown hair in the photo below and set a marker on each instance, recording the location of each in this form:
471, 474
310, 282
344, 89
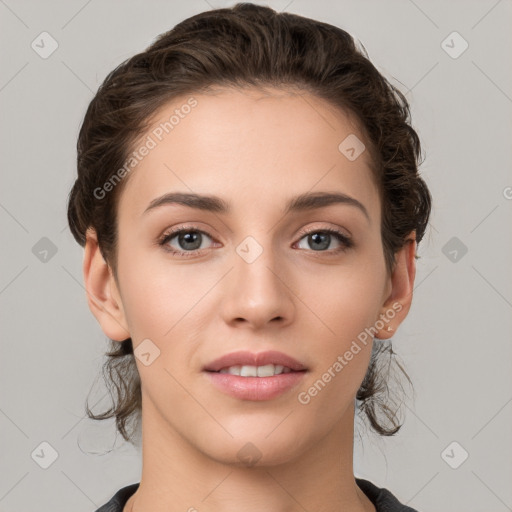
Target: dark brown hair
247, 46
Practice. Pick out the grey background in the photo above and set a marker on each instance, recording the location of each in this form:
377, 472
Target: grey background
455, 344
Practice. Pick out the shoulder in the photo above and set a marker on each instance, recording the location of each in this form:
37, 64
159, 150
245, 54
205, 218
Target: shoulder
118, 501
383, 500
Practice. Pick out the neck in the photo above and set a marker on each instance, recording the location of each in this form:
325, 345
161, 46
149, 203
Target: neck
178, 477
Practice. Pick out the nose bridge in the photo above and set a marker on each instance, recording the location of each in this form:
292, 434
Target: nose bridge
258, 293
255, 265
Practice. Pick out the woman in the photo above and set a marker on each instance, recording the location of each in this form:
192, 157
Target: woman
249, 201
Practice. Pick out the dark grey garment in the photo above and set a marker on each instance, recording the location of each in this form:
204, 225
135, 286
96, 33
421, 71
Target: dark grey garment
383, 500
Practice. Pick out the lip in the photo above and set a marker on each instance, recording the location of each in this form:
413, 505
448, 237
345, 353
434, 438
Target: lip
255, 388
246, 358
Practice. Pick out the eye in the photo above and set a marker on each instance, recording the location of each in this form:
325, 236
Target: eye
188, 240
321, 239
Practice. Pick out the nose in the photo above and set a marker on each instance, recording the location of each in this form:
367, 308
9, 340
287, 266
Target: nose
258, 291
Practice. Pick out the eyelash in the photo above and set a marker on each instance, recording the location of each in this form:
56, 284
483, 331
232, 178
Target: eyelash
346, 242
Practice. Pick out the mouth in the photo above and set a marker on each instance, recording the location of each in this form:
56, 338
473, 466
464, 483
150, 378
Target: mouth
257, 377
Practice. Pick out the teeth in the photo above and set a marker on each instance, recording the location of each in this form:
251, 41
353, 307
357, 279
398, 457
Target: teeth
256, 371
248, 371
265, 371
234, 370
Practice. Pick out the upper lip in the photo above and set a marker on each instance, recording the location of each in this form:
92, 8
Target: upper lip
246, 358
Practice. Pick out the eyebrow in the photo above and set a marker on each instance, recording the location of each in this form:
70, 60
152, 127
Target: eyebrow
215, 204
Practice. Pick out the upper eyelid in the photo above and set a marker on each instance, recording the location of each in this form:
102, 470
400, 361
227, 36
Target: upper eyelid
186, 227
179, 229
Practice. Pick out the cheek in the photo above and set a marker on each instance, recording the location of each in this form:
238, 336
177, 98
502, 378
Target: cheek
347, 301
347, 306
149, 294
162, 299
342, 301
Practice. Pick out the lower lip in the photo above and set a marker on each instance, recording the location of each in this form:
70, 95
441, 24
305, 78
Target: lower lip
255, 388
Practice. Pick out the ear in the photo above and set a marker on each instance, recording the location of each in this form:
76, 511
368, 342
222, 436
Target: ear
102, 295
398, 301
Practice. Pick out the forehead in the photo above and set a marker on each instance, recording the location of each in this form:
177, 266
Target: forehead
249, 146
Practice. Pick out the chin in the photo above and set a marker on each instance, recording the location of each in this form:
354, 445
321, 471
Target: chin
255, 451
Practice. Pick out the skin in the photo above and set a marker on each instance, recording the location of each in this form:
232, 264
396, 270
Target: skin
255, 149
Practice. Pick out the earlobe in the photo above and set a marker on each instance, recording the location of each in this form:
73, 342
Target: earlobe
397, 304
104, 303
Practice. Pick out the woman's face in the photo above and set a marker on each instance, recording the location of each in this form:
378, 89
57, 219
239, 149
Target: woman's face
250, 277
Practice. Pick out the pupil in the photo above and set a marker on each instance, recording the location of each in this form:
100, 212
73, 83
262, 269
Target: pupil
315, 238
190, 238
